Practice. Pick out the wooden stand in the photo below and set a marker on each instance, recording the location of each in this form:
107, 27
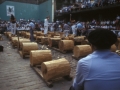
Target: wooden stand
22, 55
37, 69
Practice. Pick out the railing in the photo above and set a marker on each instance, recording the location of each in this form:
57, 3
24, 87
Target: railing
26, 1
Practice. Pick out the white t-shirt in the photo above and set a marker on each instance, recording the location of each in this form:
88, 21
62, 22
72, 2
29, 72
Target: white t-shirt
45, 22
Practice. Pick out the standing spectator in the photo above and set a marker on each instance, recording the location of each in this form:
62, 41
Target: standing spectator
79, 29
32, 27
13, 24
74, 29
46, 25
66, 29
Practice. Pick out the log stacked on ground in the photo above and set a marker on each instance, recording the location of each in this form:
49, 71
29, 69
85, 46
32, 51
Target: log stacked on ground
51, 33
65, 45
27, 47
14, 41
85, 42
65, 38
7, 33
27, 35
39, 33
38, 38
56, 36
9, 36
62, 35
55, 69
34, 35
23, 33
44, 40
113, 48
35, 32
23, 40
79, 39
37, 57
71, 37
81, 50
54, 42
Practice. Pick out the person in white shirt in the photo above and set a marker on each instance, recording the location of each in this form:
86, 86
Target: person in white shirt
46, 25
74, 29
13, 24
52, 27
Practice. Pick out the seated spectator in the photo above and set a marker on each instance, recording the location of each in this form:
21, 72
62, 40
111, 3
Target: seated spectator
101, 69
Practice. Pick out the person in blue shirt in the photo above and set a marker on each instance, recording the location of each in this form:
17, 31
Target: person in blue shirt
101, 69
79, 29
32, 27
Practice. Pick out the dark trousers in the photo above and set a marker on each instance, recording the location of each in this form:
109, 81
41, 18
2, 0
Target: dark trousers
78, 32
31, 35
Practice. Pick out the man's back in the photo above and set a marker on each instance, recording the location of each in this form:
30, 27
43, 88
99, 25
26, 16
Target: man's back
103, 71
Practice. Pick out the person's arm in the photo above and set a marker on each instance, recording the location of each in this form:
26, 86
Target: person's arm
78, 83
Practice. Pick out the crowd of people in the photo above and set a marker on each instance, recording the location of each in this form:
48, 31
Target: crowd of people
77, 28
86, 4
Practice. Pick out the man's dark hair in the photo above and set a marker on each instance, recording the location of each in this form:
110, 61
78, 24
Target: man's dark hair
102, 38
12, 16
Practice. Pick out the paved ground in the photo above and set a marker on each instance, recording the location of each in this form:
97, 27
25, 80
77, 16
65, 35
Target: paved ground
16, 73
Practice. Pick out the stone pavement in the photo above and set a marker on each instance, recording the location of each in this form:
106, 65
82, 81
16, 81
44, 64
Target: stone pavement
16, 73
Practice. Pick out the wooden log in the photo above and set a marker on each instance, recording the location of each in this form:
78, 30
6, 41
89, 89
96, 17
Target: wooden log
65, 38
52, 34
23, 33
35, 32
44, 40
7, 33
42, 34
65, 45
55, 69
27, 35
34, 35
71, 37
14, 41
113, 48
53, 42
27, 47
23, 40
37, 57
62, 35
85, 42
79, 39
57, 33
56, 36
9, 36
38, 33
81, 50
38, 38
